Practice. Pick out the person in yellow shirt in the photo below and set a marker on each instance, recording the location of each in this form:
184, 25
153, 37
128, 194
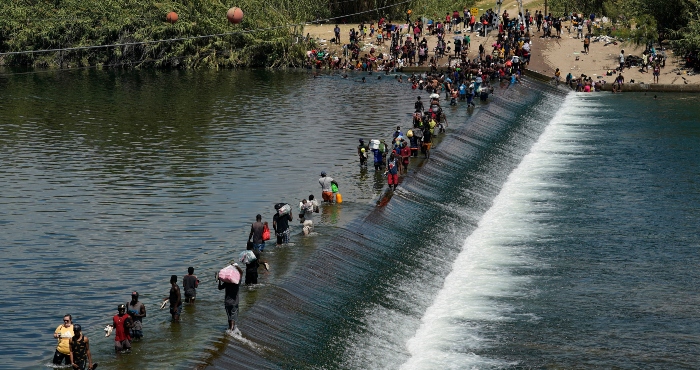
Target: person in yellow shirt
63, 334
432, 123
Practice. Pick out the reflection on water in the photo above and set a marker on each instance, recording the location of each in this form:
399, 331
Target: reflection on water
112, 181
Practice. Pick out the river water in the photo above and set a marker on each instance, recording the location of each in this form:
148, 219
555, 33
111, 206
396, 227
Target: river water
547, 230
113, 181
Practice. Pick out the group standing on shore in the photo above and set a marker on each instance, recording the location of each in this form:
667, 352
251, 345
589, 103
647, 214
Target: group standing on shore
408, 44
651, 58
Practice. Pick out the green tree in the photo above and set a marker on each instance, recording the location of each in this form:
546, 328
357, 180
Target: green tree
645, 30
687, 39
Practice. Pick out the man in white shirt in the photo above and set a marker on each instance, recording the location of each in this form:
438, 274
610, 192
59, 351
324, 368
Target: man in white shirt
326, 182
622, 60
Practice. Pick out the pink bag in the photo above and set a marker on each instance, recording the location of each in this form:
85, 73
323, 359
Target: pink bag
230, 274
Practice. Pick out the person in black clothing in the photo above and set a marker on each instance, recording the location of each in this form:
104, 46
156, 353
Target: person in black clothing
251, 268
427, 141
80, 356
231, 299
281, 225
175, 299
419, 105
362, 152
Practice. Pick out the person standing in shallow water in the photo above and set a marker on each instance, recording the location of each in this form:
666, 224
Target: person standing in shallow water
251, 268
281, 225
405, 153
231, 298
418, 106
122, 324
137, 311
326, 192
63, 333
189, 284
175, 299
392, 173
80, 355
256, 233
362, 151
306, 213
427, 141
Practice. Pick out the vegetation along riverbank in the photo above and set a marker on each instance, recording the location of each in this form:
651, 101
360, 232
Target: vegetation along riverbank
133, 33
270, 34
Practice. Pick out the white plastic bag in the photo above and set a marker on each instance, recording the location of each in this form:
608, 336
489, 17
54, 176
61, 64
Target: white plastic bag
285, 209
247, 257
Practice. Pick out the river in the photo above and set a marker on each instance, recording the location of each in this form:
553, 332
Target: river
546, 230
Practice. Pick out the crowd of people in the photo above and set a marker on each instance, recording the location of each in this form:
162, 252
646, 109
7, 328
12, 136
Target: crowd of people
408, 44
651, 60
73, 347
463, 81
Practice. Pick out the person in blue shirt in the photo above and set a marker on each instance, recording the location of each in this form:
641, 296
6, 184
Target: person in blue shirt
336, 30
378, 159
462, 91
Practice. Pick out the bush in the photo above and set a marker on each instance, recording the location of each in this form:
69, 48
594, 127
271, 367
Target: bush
41, 25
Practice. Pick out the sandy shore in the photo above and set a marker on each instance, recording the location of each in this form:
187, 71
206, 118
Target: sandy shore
565, 53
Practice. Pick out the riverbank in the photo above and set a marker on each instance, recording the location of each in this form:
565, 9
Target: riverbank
548, 54
567, 54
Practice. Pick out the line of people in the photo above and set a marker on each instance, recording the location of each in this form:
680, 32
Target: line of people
73, 346
394, 158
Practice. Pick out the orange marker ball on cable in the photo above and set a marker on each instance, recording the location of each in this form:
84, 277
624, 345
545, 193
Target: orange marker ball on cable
234, 15
171, 17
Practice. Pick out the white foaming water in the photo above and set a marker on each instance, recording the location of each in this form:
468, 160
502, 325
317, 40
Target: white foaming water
451, 329
238, 336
